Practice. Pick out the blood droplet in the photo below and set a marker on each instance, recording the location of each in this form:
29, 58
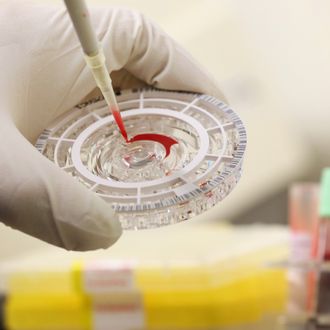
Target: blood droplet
166, 141
120, 123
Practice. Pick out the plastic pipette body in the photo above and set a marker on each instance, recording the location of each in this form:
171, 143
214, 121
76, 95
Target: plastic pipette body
94, 55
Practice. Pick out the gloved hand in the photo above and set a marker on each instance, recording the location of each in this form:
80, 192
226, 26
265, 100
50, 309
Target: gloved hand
42, 75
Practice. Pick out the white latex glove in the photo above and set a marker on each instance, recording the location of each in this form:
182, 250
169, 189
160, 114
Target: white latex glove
42, 75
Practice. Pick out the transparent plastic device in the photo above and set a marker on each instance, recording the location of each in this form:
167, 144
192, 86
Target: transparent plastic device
145, 187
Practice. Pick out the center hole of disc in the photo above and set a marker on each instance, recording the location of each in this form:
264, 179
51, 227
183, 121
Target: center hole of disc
139, 156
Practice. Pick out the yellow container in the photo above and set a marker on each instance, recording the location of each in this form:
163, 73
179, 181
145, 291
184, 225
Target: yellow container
48, 311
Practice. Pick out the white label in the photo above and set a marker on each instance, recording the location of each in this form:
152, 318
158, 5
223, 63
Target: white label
109, 276
126, 316
300, 246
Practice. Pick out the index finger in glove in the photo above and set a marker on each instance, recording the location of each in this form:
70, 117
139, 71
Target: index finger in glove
136, 44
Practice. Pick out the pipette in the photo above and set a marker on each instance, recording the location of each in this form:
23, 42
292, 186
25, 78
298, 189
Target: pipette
95, 59
94, 56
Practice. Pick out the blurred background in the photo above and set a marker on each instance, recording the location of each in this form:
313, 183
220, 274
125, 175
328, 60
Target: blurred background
272, 62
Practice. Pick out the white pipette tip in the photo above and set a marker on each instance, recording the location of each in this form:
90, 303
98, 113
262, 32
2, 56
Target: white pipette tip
97, 65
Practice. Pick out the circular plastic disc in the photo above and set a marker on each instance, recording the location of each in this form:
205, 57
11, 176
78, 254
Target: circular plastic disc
147, 185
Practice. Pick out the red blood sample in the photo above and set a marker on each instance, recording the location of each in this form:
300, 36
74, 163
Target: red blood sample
120, 123
166, 141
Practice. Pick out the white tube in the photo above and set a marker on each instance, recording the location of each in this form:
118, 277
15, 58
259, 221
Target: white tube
94, 55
